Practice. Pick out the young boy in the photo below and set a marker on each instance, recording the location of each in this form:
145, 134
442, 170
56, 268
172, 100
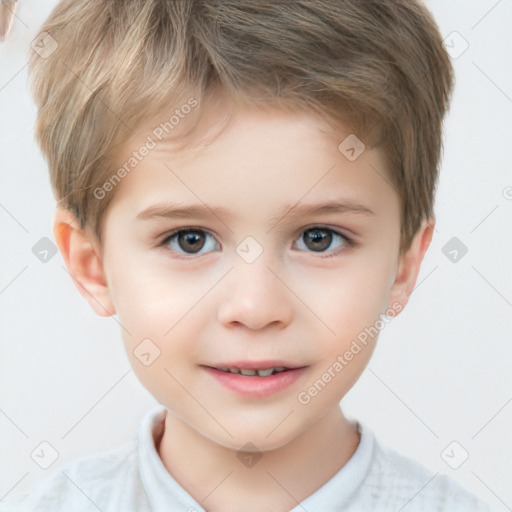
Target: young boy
295, 146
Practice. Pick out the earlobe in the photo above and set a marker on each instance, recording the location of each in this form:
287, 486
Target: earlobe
409, 266
84, 262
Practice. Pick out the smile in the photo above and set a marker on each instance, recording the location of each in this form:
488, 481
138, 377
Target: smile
253, 372
260, 381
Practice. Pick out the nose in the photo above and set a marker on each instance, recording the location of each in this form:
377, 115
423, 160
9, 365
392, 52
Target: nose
254, 297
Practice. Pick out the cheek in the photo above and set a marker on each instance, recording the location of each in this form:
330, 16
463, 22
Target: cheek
152, 298
167, 307
349, 298
160, 318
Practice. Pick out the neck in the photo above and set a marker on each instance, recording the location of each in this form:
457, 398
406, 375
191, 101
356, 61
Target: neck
214, 476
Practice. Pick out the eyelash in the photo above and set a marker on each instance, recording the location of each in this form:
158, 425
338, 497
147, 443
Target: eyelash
349, 242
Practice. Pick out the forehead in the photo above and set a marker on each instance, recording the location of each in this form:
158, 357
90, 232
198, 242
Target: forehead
249, 158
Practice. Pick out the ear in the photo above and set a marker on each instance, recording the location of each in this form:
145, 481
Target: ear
82, 256
409, 266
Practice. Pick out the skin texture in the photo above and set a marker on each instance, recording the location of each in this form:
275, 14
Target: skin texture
291, 304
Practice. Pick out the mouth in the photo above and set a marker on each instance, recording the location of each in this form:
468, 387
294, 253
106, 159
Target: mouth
253, 372
256, 380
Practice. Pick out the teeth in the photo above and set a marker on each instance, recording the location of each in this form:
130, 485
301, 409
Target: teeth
248, 372
251, 373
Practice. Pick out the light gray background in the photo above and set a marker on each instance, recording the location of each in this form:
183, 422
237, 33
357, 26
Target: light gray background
441, 372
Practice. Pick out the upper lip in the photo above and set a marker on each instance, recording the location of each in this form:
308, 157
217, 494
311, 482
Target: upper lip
257, 365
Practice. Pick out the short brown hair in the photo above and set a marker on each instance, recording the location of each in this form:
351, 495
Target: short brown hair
379, 66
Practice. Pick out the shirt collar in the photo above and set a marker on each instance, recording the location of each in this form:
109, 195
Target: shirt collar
164, 493
162, 490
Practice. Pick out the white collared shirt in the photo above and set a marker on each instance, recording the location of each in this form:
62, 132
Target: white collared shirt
132, 478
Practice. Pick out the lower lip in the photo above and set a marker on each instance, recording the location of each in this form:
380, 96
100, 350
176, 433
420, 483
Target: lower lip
254, 386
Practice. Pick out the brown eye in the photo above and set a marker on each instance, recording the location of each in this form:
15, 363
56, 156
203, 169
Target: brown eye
320, 239
190, 241
317, 239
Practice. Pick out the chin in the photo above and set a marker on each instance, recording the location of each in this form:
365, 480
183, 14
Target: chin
262, 439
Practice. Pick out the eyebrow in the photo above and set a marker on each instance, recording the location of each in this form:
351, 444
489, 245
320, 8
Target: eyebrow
170, 210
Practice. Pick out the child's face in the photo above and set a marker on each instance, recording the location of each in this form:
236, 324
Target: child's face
211, 300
